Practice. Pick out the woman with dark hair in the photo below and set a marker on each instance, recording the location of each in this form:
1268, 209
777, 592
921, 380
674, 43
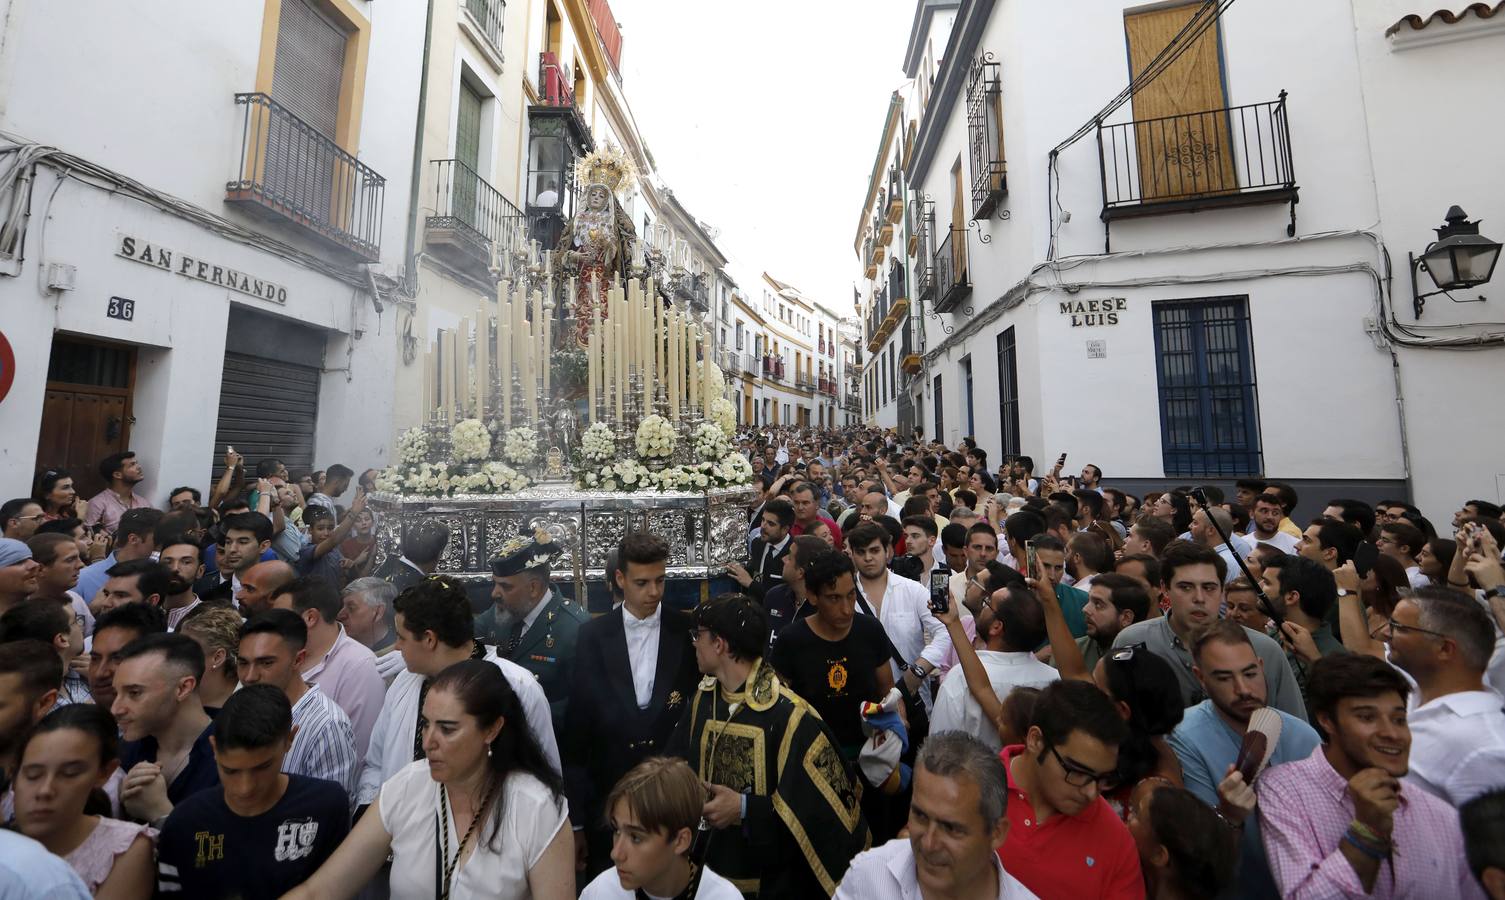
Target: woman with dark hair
1185, 850
1368, 603
1436, 558
483, 815
56, 494
60, 801
1144, 688
1175, 508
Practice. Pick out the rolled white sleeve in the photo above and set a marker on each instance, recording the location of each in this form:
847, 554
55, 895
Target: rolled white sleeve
535, 709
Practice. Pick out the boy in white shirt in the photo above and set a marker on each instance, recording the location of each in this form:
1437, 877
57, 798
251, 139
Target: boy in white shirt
654, 812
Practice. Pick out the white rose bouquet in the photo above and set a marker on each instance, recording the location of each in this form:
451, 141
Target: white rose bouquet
710, 442
390, 480
470, 441
505, 479
598, 445
520, 446
429, 480
724, 414
412, 446
655, 438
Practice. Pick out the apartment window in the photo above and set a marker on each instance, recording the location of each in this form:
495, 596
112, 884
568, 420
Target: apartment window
1209, 412
966, 366
739, 335
985, 135
1008, 391
939, 421
786, 414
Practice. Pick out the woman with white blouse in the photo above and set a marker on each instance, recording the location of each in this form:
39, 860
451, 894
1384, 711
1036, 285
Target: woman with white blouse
482, 816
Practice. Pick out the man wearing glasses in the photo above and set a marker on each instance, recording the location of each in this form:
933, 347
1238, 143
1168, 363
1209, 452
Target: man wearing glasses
1064, 840
21, 518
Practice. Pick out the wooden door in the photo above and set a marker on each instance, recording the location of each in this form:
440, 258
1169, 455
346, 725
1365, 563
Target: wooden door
86, 412
1183, 146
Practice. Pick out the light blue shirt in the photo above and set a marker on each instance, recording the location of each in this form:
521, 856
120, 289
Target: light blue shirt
1207, 746
92, 577
29, 872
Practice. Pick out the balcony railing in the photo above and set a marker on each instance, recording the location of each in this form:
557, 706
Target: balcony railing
489, 14
1235, 156
290, 171
948, 271
470, 216
555, 87
804, 382
773, 367
750, 363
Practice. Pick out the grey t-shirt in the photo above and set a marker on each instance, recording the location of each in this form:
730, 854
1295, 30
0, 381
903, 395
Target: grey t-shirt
1281, 689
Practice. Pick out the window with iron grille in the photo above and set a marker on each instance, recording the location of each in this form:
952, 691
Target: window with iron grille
1209, 410
985, 135
1008, 391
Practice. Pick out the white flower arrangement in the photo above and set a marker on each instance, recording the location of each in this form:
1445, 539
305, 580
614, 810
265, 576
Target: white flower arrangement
709, 442
598, 445
426, 479
626, 475
724, 414
470, 441
655, 438
520, 446
504, 479
390, 480
412, 446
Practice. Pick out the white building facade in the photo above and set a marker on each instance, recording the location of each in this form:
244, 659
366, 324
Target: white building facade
212, 254
1205, 279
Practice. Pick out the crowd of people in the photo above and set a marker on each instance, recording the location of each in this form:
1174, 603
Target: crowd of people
930, 678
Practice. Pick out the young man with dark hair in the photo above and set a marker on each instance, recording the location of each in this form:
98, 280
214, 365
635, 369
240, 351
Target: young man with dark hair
272, 647
529, 621
336, 481
954, 546
165, 753
1088, 555
133, 581
1208, 739
772, 773
920, 535
1265, 516
422, 548
1403, 541
1354, 512
341, 667
1149, 536
435, 629
654, 814
135, 538
120, 472
30, 673
1192, 578
113, 631
1010, 625
1246, 489
1341, 822
634, 674
1306, 591
247, 536
184, 498
184, 567
901, 606
1114, 602
55, 624
1064, 838
1144, 569
790, 600
263, 830
767, 550
1444, 641
1329, 542
981, 548
1050, 551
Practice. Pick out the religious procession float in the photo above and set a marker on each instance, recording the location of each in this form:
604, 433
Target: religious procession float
583, 402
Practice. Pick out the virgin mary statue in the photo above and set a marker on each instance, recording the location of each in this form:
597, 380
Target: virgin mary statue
600, 236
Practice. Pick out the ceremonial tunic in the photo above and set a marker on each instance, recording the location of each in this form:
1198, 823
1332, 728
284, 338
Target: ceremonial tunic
547, 647
803, 823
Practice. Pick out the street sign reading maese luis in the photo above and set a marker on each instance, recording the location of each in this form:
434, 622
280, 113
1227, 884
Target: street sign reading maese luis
1094, 312
157, 257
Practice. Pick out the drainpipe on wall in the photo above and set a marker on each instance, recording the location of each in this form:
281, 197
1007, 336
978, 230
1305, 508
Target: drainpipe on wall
410, 257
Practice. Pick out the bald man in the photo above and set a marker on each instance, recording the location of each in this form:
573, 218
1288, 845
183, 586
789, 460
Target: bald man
874, 504
259, 583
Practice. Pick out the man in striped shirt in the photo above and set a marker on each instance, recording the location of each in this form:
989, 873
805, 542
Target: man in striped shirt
272, 646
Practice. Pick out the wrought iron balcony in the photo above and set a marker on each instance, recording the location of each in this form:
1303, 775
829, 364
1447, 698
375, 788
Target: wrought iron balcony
1235, 156
804, 383
470, 217
950, 283
489, 14
750, 363
555, 87
290, 171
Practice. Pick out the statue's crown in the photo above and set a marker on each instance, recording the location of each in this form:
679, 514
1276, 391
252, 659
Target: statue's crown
608, 166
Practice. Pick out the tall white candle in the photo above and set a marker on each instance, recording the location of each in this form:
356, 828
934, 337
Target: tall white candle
709, 389
621, 367
503, 354
483, 360
427, 404
448, 360
590, 377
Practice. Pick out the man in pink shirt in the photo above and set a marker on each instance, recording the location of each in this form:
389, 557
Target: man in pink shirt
1341, 823
121, 472
807, 512
342, 667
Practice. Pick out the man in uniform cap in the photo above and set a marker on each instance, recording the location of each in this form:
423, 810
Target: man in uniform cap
531, 623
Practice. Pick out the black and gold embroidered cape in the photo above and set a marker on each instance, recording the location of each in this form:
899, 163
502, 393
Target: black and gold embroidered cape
804, 822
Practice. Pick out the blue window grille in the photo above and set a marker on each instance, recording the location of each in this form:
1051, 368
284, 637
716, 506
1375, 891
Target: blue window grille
1209, 410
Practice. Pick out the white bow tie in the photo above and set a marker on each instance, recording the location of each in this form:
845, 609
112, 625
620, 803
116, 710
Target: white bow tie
633, 622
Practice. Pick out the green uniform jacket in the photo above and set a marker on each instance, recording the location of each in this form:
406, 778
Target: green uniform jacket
547, 648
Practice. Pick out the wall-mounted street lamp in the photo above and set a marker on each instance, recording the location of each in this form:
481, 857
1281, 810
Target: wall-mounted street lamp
1459, 258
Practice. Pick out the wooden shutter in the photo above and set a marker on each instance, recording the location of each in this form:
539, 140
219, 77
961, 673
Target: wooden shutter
1182, 141
309, 65
468, 151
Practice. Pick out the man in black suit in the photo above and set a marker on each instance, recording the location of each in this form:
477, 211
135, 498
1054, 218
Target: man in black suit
423, 546
766, 557
634, 674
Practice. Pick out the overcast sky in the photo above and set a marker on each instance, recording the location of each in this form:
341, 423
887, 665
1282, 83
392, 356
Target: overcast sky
764, 118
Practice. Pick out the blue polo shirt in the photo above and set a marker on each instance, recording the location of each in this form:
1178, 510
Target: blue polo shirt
1207, 746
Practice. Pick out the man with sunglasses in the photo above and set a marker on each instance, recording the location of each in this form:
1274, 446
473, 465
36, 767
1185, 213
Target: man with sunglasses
1064, 841
1210, 734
